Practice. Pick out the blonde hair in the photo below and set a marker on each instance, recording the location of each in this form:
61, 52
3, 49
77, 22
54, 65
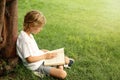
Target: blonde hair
33, 18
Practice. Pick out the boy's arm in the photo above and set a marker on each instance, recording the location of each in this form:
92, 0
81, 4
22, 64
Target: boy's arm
31, 59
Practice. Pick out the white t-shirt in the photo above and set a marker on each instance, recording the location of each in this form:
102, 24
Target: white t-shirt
27, 46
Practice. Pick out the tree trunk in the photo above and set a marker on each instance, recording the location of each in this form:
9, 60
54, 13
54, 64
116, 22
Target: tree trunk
8, 32
2, 27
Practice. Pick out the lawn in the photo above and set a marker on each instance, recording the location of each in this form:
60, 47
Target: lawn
87, 29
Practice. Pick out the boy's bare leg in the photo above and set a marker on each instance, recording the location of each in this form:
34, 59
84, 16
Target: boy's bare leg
60, 67
67, 60
58, 73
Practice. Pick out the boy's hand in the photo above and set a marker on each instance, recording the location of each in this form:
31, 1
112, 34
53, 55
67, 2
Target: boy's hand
51, 55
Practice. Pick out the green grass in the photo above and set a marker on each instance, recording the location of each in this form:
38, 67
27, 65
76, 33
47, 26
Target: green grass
87, 29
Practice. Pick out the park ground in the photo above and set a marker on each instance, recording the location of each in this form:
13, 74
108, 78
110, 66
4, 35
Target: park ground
89, 31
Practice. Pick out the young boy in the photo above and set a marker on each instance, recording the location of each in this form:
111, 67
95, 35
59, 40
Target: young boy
28, 50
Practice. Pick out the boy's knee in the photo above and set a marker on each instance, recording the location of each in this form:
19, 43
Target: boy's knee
63, 74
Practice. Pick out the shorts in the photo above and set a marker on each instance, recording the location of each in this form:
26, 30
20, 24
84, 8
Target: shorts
44, 69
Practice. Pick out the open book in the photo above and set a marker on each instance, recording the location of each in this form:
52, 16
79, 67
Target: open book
58, 60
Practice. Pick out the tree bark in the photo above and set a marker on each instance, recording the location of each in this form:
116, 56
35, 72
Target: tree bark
8, 34
2, 27
8, 22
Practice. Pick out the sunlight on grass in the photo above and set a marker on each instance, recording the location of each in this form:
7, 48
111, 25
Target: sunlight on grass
87, 29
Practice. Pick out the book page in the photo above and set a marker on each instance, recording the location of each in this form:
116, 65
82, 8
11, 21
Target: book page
58, 60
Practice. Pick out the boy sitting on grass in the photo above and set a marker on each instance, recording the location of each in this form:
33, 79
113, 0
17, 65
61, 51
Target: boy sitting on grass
27, 49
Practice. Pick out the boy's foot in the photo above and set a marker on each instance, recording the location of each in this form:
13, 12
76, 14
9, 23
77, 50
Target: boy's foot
38, 74
71, 61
